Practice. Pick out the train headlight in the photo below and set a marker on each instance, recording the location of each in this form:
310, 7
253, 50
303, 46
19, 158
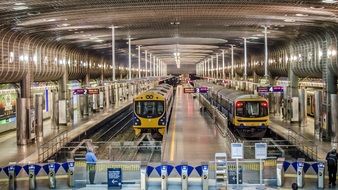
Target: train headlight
162, 121
136, 121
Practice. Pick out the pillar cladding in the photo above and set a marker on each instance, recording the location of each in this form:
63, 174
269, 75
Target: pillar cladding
334, 116
21, 122
39, 116
302, 105
23, 106
63, 98
318, 115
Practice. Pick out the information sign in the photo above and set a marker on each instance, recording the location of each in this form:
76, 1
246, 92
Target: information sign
232, 175
79, 91
237, 151
276, 89
114, 176
93, 91
189, 90
202, 89
262, 89
261, 150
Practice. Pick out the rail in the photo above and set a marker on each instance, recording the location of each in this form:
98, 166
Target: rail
48, 149
307, 146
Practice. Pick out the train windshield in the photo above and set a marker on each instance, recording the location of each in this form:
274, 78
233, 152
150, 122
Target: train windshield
149, 109
251, 109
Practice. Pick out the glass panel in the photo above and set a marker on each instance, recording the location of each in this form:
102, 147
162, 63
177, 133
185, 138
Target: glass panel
252, 109
149, 109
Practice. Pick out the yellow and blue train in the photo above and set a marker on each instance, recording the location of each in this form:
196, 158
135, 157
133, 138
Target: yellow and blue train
152, 110
248, 114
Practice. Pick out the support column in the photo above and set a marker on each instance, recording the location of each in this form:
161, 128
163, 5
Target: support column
154, 64
302, 106
232, 62
223, 65
334, 117
266, 75
150, 64
217, 67
245, 75
23, 105
205, 68
209, 69
146, 61
129, 58
139, 61
113, 51
212, 67
63, 104
292, 91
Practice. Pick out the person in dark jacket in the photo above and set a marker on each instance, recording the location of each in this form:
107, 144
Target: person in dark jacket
331, 160
91, 162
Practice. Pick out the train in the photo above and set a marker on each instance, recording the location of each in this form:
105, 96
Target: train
248, 114
152, 111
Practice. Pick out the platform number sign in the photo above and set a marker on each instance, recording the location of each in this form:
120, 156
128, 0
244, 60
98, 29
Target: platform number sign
114, 176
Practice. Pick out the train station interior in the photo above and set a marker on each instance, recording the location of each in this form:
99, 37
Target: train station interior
168, 94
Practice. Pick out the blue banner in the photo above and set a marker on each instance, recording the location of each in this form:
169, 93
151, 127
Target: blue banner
168, 167
179, 169
37, 168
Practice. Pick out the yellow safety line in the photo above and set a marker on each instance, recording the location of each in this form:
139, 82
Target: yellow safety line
172, 148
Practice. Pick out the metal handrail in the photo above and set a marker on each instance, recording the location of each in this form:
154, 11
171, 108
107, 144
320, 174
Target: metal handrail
217, 115
307, 146
48, 149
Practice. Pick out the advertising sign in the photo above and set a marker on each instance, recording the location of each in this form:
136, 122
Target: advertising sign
114, 176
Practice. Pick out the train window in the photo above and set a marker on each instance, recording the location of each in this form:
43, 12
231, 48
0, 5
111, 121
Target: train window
149, 109
251, 109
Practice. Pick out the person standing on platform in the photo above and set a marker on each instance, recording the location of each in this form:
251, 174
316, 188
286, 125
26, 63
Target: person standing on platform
331, 159
91, 163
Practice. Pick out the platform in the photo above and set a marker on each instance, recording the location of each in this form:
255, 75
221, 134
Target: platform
281, 127
192, 135
23, 154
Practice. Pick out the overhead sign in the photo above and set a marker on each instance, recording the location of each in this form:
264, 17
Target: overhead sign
114, 176
189, 90
79, 91
202, 89
237, 151
261, 150
276, 89
93, 91
263, 89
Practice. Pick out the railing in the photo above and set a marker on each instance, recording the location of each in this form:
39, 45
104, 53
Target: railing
48, 149
307, 146
221, 121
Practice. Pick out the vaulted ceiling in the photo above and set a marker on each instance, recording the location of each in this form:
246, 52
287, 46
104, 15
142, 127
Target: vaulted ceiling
194, 28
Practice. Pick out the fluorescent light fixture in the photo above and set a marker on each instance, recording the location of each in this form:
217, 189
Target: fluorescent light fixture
289, 20
19, 8
19, 3
301, 15
329, 1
